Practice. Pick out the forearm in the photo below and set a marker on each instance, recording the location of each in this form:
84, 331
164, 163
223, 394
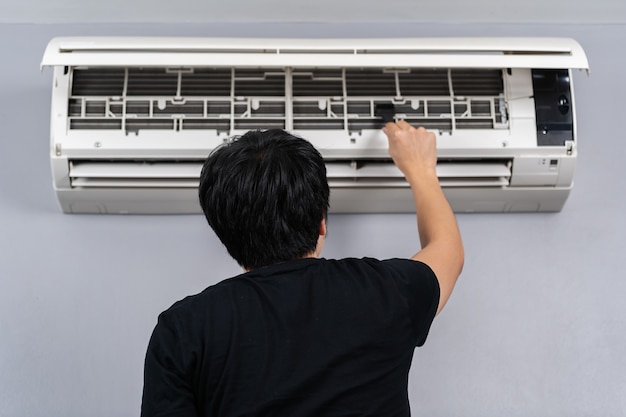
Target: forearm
435, 218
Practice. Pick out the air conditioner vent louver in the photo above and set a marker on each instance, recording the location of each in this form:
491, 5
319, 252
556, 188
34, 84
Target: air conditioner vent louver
350, 174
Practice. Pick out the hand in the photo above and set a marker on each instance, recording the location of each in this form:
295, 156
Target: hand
413, 150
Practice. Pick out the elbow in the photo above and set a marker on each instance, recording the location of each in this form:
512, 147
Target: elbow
461, 262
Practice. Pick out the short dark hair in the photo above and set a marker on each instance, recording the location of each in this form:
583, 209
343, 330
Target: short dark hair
265, 194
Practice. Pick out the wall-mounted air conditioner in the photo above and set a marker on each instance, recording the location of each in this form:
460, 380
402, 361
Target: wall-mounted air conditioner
134, 118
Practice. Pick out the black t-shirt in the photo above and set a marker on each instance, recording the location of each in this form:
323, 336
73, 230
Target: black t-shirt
310, 337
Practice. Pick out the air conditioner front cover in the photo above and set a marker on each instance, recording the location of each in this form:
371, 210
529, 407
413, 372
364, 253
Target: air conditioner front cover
132, 119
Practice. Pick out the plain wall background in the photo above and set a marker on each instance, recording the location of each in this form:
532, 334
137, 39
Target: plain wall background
536, 327
347, 11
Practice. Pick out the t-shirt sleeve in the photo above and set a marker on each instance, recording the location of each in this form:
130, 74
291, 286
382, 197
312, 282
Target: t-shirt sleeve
419, 287
166, 390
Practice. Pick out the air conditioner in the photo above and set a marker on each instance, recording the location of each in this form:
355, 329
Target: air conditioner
133, 118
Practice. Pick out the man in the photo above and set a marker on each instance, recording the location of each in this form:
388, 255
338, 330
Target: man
296, 335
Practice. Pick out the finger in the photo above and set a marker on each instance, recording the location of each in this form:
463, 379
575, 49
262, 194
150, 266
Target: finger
390, 127
403, 124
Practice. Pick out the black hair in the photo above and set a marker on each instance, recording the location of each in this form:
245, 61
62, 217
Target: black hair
265, 195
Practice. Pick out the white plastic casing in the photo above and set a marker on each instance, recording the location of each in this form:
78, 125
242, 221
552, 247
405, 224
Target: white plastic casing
133, 118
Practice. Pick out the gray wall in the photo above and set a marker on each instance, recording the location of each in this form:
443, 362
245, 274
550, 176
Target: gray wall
536, 327
210, 11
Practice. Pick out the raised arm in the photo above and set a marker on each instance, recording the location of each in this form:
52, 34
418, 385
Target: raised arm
414, 152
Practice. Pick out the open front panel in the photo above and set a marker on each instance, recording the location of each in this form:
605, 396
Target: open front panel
228, 99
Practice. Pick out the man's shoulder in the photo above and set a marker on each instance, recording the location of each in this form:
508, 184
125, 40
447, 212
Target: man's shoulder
381, 265
211, 294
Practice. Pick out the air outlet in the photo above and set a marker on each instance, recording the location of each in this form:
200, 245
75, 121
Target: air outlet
356, 173
363, 173
120, 174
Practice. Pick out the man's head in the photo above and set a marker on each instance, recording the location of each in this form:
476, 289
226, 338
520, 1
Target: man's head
265, 195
